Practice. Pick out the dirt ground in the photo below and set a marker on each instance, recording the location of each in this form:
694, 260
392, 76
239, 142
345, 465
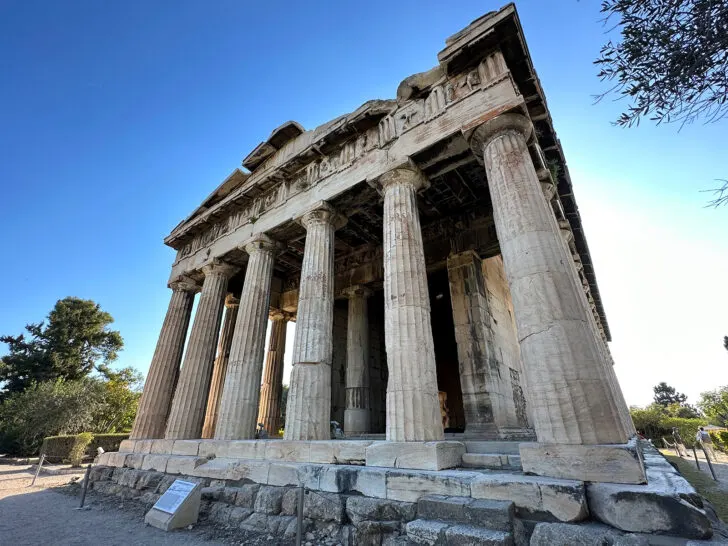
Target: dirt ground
46, 514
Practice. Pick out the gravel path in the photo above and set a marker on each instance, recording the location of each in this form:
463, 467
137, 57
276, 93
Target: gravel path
42, 515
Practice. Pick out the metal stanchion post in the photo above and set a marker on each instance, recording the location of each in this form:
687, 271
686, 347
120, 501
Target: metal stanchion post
696, 458
710, 465
299, 522
37, 470
85, 485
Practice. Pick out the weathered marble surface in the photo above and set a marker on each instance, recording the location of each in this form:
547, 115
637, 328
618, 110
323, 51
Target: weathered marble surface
241, 395
187, 415
308, 410
413, 407
356, 414
418, 455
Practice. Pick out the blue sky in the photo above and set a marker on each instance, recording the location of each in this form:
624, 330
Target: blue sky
117, 119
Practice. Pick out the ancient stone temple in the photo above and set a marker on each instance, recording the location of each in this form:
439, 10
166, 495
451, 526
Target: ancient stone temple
430, 250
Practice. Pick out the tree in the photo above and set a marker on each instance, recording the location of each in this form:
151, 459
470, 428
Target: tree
665, 395
73, 341
670, 63
715, 405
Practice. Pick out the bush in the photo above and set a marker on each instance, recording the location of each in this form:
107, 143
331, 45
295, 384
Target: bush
717, 441
723, 435
67, 448
108, 442
78, 450
655, 424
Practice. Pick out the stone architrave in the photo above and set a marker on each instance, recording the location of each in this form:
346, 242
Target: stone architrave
565, 373
271, 391
241, 395
356, 414
221, 363
413, 407
187, 415
482, 387
151, 417
308, 410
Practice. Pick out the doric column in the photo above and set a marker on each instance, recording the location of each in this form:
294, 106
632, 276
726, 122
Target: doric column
481, 381
566, 378
356, 414
190, 398
269, 412
240, 397
151, 416
308, 411
413, 406
221, 364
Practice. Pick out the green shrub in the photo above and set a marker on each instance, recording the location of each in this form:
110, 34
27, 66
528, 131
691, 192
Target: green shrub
78, 450
723, 435
108, 442
716, 441
58, 448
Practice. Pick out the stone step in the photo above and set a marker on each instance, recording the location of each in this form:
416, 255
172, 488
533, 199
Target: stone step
494, 514
492, 460
438, 533
492, 446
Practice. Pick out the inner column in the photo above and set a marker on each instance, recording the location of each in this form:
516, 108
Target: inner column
271, 390
308, 410
413, 407
356, 414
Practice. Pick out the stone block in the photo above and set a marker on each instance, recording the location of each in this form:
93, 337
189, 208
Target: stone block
277, 525
149, 480
293, 474
218, 468
421, 531
134, 460
471, 535
410, 486
665, 506
595, 463
162, 447
536, 496
127, 446
186, 514
324, 506
143, 446
289, 504
103, 459
255, 522
549, 534
416, 455
366, 508
289, 451
117, 459
186, 447
252, 470
229, 494
155, 462
269, 500
238, 514
129, 478
339, 451
220, 513
484, 460
370, 482
246, 495
212, 448
183, 464
212, 493
244, 449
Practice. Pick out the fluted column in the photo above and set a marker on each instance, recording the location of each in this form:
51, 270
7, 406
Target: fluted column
567, 382
187, 415
308, 411
220, 368
271, 391
413, 407
356, 414
241, 395
159, 387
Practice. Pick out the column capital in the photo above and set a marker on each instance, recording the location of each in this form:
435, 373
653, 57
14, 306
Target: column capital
231, 301
322, 213
280, 315
260, 242
356, 291
218, 267
183, 283
405, 174
497, 126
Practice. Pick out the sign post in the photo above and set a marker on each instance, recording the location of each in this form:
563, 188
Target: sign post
178, 507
